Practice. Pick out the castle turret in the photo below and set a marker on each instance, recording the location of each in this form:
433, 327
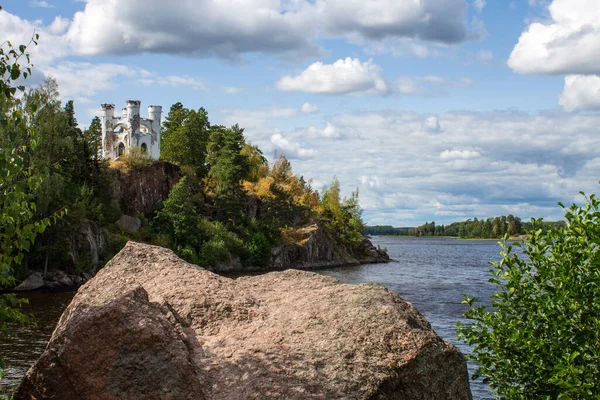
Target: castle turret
155, 115
133, 108
108, 114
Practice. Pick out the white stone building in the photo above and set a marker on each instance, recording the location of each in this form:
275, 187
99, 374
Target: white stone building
119, 134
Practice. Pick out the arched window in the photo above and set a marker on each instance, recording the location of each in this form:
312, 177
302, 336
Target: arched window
121, 150
144, 148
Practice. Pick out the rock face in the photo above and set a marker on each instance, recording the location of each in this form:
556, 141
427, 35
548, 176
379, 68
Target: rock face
369, 254
314, 249
150, 325
142, 190
88, 242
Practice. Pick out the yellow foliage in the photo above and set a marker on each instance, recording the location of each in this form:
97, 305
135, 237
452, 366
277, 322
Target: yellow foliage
260, 189
263, 188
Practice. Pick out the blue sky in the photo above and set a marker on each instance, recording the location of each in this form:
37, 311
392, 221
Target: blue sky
434, 109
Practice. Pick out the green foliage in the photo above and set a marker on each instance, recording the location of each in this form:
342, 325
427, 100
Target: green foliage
213, 252
86, 205
342, 216
385, 230
258, 167
259, 250
18, 226
184, 138
542, 341
193, 237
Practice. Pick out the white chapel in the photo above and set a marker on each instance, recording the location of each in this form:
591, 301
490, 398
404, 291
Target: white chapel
120, 134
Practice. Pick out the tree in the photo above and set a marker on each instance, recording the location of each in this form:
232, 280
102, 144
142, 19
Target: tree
344, 216
227, 167
18, 228
185, 137
543, 339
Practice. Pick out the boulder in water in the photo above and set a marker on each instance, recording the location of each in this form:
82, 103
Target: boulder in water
33, 282
150, 325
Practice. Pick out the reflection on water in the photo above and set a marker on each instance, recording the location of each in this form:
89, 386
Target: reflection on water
431, 273
26, 344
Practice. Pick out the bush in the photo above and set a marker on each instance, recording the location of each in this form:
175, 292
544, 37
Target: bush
213, 252
259, 250
136, 158
543, 340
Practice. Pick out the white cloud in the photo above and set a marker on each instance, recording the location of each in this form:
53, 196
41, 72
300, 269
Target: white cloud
341, 77
581, 93
40, 4
291, 149
309, 108
184, 81
225, 28
479, 164
431, 124
569, 44
257, 119
231, 29
329, 132
232, 90
479, 5
459, 154
51, 44
485, 55
441, 21
429, 85
82, 80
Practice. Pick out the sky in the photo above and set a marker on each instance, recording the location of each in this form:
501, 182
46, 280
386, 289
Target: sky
435, 110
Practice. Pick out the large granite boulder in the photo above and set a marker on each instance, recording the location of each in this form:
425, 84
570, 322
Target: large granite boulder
150, 325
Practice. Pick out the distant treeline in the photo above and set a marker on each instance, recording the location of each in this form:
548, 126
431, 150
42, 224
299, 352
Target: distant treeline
491, 228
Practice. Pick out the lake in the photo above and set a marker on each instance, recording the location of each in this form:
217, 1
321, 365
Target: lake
432, 273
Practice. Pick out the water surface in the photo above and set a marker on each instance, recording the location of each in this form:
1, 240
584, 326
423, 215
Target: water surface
431, 273
25, 345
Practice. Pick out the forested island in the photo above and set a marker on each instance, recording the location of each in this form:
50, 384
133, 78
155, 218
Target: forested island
490, 228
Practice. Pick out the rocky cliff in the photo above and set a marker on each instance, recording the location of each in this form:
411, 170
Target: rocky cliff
140, 191
312, 248
152, 326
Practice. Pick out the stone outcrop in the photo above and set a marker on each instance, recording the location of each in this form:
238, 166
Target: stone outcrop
33, 282
56, 280
140, 191
88, 243
312, 248
150, 325
369, 254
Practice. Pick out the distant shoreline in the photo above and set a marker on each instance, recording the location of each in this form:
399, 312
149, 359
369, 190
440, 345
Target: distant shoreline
513, 238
